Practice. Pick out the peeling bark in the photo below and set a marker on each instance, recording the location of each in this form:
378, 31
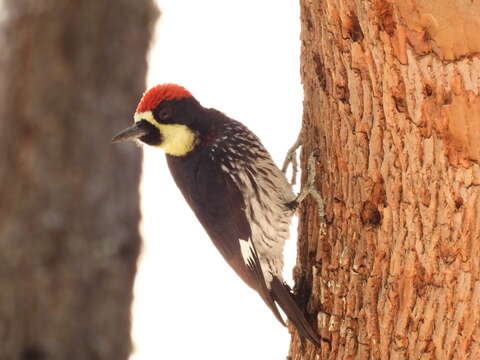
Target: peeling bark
70, 75
392, 103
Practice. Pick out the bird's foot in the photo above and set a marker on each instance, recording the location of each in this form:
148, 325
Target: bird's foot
291, 158
309, 188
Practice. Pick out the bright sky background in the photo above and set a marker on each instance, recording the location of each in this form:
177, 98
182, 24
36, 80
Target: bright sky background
241, 57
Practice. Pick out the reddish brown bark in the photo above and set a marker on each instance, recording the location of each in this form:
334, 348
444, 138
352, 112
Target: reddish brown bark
392, 103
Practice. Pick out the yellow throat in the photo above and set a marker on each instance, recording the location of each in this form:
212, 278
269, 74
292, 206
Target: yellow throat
177, 139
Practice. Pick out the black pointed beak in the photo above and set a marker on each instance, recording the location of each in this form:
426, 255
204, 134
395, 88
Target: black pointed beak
131, 133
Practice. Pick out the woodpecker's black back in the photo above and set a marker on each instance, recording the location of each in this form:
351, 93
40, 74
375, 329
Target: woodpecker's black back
214, 199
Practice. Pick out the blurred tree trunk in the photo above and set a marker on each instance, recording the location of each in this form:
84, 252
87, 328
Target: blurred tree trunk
392, 103
70, 75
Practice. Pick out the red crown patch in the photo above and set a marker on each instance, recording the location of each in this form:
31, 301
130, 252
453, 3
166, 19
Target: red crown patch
151, 98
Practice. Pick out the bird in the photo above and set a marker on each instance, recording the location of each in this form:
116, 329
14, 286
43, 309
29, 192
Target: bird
241, 198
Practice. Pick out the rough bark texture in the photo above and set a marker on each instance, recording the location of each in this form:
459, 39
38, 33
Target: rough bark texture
392, 103
70, 75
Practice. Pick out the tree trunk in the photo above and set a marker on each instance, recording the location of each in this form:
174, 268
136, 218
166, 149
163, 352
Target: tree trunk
70, 75
392, 103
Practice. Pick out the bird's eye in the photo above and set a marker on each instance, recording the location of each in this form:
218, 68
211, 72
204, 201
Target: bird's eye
164, 114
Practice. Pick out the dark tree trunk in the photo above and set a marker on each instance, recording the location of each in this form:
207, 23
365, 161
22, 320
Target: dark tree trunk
70, 75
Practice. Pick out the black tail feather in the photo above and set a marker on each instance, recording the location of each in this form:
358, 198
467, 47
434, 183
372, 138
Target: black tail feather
284, 298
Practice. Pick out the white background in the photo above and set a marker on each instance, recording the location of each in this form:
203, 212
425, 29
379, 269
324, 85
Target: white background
241, 57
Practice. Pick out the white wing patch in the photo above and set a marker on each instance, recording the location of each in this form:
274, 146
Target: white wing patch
248, 251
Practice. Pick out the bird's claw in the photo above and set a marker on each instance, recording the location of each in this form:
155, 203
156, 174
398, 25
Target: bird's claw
291, 158
310, 188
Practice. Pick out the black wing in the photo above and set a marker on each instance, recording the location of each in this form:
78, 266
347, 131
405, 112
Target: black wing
219, 206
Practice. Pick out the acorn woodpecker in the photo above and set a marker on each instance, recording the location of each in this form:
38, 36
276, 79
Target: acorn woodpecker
230, 181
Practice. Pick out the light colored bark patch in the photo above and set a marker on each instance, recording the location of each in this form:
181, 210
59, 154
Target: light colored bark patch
452, 25
463, 122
